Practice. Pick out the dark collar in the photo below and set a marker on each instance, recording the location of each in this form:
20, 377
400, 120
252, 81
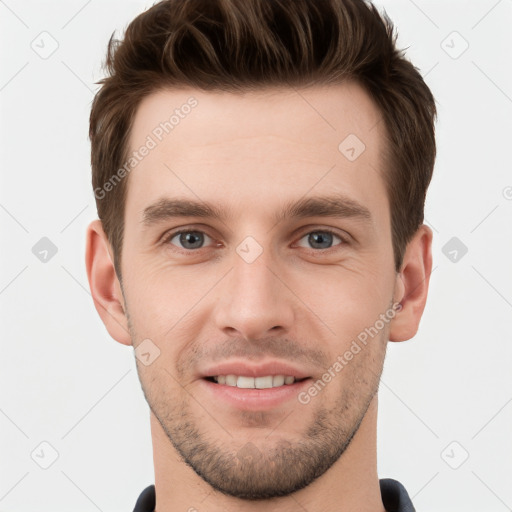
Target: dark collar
394, 497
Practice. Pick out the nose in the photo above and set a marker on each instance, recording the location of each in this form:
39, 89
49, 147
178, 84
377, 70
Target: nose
254, 299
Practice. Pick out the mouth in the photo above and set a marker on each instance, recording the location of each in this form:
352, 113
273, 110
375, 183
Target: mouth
253, 393
253, 386
249, 382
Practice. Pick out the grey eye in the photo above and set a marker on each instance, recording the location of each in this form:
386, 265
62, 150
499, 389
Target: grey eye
190, 239
320, 239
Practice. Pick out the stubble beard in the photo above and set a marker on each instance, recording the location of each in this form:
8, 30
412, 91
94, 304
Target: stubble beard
270, 467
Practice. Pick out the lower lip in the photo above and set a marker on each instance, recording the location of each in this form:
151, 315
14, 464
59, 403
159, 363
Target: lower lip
254, 399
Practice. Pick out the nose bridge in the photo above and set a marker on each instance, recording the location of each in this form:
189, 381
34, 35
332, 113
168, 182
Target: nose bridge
252, 279
253, 299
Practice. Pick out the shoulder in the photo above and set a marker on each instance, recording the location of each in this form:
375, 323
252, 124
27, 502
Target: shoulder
146, 500
395, 496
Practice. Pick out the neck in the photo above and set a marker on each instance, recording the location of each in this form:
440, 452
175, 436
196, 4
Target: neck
350, 484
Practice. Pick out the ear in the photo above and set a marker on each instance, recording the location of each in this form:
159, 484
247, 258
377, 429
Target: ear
104, 284
411, 285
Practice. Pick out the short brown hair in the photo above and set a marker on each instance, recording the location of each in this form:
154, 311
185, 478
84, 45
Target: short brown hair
237, 45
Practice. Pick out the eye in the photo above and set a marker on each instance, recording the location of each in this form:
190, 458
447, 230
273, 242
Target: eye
322, 239
189, 240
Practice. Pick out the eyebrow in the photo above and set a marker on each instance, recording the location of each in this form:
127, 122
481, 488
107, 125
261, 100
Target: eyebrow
335, 206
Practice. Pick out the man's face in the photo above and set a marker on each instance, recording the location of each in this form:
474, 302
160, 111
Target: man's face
255, 293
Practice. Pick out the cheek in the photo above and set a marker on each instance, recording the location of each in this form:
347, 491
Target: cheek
160, 295
346, 299
167, 307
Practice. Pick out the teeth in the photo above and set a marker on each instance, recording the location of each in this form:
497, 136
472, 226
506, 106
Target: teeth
231, 380
278, 380
241, 381
263, 382
245, 382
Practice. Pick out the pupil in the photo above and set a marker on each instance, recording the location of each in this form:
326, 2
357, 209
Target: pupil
319, 238
193, 238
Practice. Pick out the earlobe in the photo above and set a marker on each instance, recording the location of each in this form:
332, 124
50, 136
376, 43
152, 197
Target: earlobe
411, 287
104, 284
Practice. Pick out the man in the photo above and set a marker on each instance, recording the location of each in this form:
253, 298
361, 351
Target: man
260, 170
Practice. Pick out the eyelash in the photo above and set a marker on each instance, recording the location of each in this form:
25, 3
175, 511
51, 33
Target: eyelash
166, 240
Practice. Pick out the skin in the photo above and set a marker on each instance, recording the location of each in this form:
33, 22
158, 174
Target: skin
296, 302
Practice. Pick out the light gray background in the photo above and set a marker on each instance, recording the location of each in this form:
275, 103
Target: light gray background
445, 395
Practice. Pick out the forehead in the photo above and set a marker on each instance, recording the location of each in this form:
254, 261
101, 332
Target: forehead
276, 144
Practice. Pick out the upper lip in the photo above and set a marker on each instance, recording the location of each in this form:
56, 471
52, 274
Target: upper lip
254, 370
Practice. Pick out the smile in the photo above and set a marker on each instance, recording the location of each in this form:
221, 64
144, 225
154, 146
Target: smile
247, 382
